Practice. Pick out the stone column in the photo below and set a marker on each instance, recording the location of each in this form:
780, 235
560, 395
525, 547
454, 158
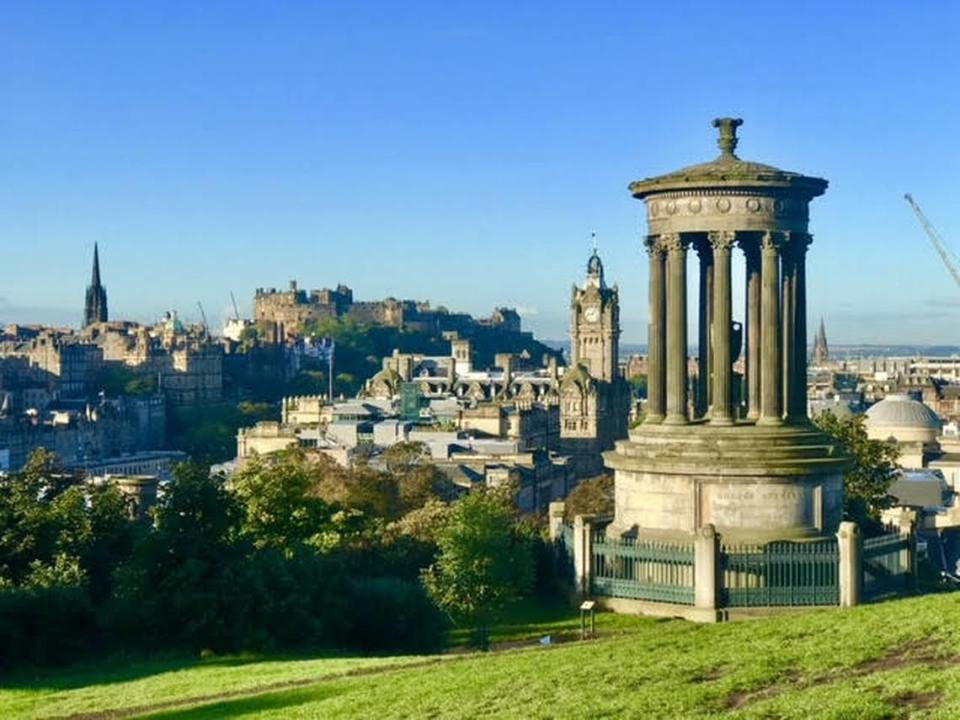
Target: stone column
751, 251
722, 412
799, 410
704, 361
583, 553
706, 548
788, 298
771, 408
850, 572
676, 250
656, 338
556, 511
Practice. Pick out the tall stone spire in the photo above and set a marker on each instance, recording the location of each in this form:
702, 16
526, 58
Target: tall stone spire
821, 352
95, 308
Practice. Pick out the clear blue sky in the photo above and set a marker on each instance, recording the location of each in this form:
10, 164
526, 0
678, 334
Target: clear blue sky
460, 152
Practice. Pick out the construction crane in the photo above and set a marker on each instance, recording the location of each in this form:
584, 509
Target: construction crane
948, 258
203, 315
236, 313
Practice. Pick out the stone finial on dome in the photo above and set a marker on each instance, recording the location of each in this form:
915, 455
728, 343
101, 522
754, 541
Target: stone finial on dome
728, 134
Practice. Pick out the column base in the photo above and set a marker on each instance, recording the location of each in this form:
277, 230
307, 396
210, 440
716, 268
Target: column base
652, 419
723, 420
768, 420
676, 420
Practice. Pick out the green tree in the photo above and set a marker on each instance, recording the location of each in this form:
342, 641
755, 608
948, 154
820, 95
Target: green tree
182, 587
593, 496
279, 498
484, 562
52, 518
867, 482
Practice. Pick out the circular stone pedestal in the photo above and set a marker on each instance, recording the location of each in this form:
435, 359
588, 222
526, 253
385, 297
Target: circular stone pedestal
753, 483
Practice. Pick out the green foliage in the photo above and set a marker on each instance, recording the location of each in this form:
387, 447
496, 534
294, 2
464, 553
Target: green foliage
117, 379
391, 613
593, 496
639, 385
209, 432
867, 482
180, 586
484, 562
280, 503
60, 541
297, 552
52, 520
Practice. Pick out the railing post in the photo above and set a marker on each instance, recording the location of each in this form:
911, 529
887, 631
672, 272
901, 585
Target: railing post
555, 512
706, 552
850, 574
583, 553
908, 556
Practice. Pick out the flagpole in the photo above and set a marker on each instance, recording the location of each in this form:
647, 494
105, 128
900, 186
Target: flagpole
330, 369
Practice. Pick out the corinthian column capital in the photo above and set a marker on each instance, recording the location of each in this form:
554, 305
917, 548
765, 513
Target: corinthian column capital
772, 240
673, 243
653, 245
722, 239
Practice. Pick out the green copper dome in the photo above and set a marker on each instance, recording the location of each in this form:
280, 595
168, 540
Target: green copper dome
729, 171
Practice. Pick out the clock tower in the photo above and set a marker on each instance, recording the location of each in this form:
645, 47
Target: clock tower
595, 324
594, 399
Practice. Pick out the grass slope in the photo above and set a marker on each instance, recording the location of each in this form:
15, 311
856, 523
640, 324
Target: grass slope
896, 659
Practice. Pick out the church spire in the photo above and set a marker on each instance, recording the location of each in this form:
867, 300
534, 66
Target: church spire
95, 308
95, 277
821, 352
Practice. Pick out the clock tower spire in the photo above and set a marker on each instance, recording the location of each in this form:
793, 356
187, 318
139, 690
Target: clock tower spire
595, 323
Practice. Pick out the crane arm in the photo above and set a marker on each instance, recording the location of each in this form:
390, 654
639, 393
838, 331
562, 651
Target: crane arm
935, 238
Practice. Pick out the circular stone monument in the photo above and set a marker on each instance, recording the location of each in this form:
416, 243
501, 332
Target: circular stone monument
739, 451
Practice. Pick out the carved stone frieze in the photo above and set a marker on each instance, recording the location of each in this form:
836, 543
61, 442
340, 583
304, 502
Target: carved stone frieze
715, 210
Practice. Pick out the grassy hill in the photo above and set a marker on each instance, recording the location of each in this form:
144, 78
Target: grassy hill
891, 660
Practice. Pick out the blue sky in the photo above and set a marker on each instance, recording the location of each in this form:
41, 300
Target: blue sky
460, 152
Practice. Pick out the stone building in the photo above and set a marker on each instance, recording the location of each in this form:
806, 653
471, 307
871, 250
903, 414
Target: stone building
69, 365
754, 467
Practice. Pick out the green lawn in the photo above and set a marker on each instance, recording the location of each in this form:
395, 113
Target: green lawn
895, 659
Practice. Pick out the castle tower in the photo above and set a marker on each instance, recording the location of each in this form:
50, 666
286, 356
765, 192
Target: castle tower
821, 353
757, 471
95, 307
595, 324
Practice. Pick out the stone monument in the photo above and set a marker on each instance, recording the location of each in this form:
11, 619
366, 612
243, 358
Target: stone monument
746, 460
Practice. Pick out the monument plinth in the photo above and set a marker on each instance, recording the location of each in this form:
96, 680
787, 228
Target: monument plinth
750, 462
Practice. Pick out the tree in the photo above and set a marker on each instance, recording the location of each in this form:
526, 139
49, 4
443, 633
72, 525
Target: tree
484, 562
184, 584
280, 503
593, 496
867, 482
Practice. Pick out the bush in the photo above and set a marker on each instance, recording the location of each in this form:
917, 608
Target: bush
46, 626
392, 614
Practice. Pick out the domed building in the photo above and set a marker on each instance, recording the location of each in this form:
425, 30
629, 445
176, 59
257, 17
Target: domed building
901, 418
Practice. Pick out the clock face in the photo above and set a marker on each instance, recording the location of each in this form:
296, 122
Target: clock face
592, 313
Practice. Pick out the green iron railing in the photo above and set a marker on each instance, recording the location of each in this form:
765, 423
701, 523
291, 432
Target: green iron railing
642, 570
780, 574
886, 564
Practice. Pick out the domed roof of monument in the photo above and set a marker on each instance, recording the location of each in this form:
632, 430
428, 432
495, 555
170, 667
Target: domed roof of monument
729, 171
902, 411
